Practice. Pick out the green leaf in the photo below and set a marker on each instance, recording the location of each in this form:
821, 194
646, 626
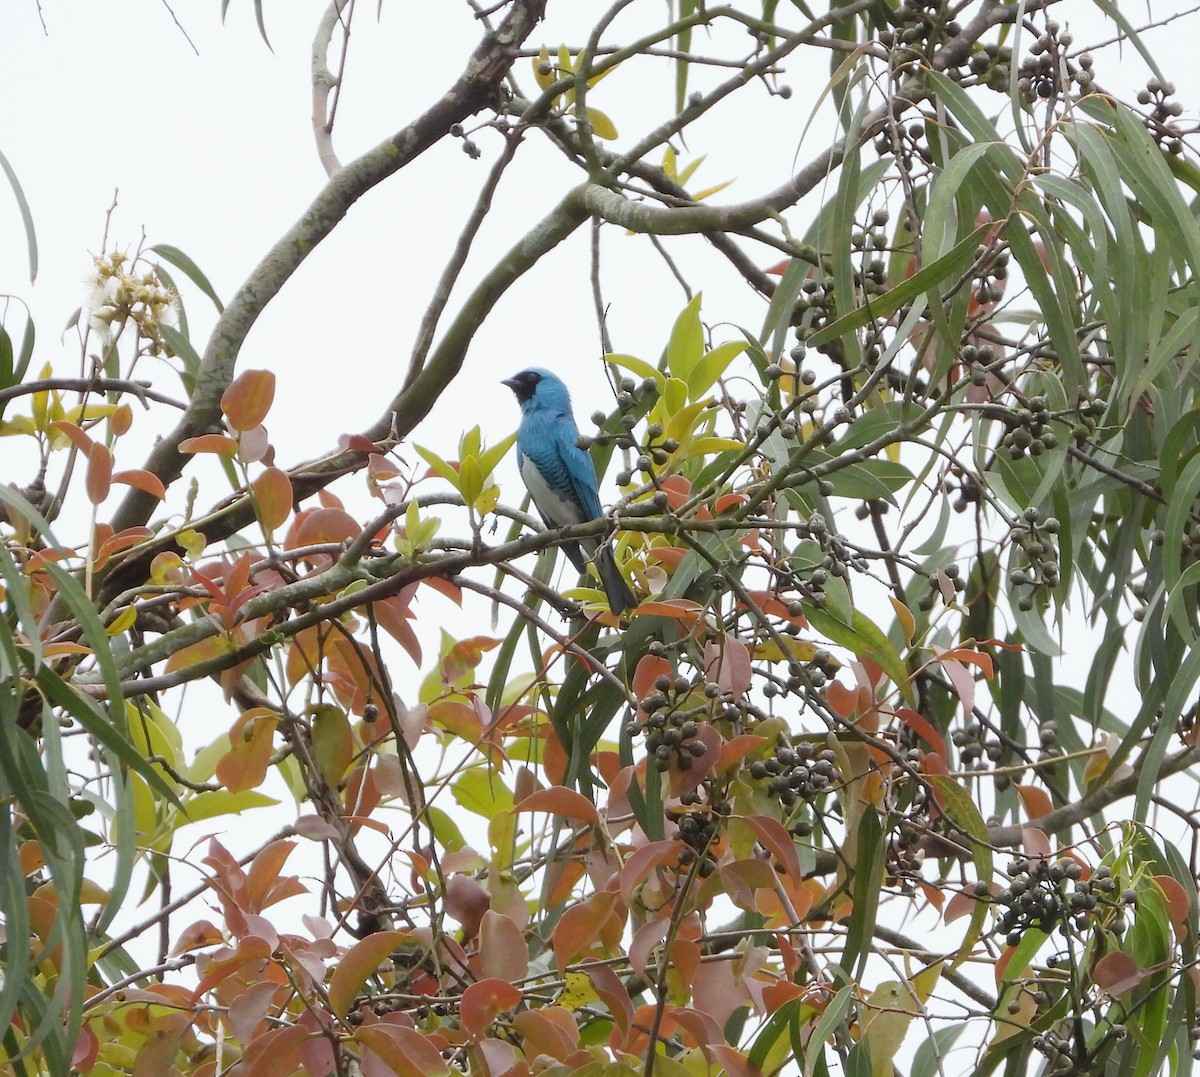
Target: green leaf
686, 346
184, 264
864, 639
960, 809
440, 467
481, 792
949, 266
713, 366
26, 217
870, 853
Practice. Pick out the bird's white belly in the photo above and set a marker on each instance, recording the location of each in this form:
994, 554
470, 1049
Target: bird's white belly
556, 509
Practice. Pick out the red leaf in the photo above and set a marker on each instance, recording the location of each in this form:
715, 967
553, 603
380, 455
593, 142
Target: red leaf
636, 869
1116, 973
612, 992
483, 1001
778, 841
466, 902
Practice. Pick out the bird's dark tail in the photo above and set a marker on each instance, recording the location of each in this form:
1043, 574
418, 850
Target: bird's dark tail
620, 597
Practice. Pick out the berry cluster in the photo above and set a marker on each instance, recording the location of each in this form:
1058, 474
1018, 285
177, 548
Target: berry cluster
919, 24
1088, 414
1029, 431
699, 832
973, 745
1161, 122
988, 66
1053, 894
991, 280
965, 485
1042, 72
672, 720
905, 857
1035, 562
797, 772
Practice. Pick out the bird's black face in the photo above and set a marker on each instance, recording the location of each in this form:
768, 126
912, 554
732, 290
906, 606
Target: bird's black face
523, 384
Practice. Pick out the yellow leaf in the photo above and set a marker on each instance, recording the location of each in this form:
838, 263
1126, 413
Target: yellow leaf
22, 424
602, 126
699, 196
192, 541
798, 650
705, 445
123, 621
543, 70
904, 615
639, 367
577, 991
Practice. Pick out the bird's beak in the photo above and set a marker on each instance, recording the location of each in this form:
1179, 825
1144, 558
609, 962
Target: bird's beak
512, 383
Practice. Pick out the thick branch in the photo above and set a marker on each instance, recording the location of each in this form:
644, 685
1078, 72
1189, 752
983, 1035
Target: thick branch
473, 91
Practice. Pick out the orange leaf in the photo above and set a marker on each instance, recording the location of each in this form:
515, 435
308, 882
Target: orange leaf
405, 1051
1177, 901
248, 399
579, 928
251, 739
263, 878
99, 473
120, 420
1035, 800
198, 652
649, 669
216, 443
274, 1052
483, 1001
360, 962
558, 800
326, 525
273, 497
141, 479
75, 433
550, 1031
922, 727
678, 609
502, 949
778, 841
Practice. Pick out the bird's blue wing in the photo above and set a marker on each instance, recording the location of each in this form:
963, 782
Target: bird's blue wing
548, 441
579, 467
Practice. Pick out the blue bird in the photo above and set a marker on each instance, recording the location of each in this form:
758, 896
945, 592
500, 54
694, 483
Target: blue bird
559, 474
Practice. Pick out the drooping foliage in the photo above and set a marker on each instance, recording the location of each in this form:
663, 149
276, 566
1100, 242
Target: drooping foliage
891, 765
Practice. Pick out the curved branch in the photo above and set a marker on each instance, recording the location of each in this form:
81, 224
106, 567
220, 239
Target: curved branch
471, 92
